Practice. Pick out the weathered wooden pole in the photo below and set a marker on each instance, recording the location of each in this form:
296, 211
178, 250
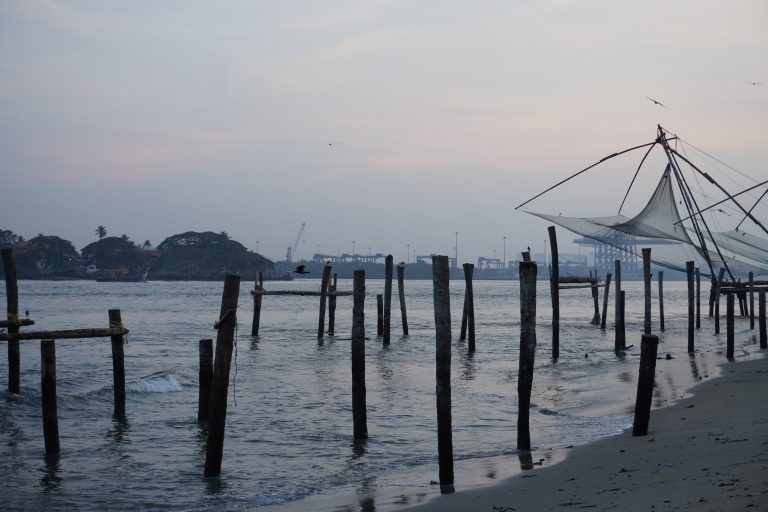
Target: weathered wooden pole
729, 327
442, 304
554, 287
618, 343
48, 391
463, 330
469, 304
12, 298
718, 286
712, 288
661, 301
205, 373
648, 348
401, 295
751, 300
527, 275
380, 314
258, 285
595, 300
741, 297
359, 414
332, 305
118, 363
761, 319
621, 338
689, 270
323, 298
220, 381
647, 279
698, 298
526, 255
387, 298
605, 300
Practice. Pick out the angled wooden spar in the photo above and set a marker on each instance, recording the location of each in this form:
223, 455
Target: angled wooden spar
750, 189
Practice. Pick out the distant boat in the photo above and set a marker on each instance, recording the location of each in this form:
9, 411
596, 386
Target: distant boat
123, 275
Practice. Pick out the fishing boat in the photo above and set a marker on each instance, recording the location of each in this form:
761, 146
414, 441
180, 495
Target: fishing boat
122, 274
690, 215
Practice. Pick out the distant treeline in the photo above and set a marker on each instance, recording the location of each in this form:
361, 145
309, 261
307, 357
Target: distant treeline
190, 255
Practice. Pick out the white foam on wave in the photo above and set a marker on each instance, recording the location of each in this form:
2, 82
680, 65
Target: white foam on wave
156, 384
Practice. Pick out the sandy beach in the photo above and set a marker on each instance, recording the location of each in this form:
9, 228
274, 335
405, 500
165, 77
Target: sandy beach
708, 452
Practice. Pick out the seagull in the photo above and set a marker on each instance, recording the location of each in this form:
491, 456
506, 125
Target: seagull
300, 270
755, 83
655, 102
26, 313
746, 352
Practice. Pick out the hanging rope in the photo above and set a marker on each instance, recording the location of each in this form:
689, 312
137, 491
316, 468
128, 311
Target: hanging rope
216, 325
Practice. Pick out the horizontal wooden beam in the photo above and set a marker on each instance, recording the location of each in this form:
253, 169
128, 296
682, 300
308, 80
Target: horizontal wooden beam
577, 286
22, 322
299, 292
66, 334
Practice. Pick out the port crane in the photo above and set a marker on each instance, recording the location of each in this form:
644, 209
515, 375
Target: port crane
291, 252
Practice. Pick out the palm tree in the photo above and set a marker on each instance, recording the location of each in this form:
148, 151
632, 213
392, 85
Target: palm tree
147, 244
101, 232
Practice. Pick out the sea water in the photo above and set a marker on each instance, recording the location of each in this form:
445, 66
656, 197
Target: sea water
288, 443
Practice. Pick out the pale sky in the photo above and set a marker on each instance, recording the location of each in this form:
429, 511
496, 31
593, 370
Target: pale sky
384, 122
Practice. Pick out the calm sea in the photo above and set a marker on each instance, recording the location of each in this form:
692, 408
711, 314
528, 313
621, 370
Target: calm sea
289, 426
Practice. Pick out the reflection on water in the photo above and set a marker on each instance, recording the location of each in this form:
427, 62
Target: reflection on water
51, 480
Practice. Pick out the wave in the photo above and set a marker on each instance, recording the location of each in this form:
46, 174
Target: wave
163, 383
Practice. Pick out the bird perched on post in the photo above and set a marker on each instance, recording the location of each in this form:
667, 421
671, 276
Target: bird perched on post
746, 352
300, 270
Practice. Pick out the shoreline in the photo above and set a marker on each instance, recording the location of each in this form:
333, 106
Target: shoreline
708, 451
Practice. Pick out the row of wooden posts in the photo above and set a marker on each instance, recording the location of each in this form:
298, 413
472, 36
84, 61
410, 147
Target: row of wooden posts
214, 371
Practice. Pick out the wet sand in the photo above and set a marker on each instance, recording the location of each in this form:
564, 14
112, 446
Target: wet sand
708, 452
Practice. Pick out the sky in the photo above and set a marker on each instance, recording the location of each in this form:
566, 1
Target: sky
391, 125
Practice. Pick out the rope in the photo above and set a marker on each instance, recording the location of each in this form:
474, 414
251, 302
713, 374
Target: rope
119, 325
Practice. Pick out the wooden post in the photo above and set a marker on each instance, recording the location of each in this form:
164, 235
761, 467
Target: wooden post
619, 322
401, 295
741, 297
359, 414
621, 338
751, 300
48, 390
205, 348
661, 301
689, 269
554, 287
258, 285
442, 304
605, 300
526, 255
323, 297
698, 298
463, 330
718, 285
469, 304
647, 279
712, 288
12, 298
118, 363
527, 352
648, 348
332, 305
595, 300
387, 297
220, 382
380, 314
761, 319
729, 327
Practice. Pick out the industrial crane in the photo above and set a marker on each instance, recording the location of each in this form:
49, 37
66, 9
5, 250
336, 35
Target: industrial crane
291, 253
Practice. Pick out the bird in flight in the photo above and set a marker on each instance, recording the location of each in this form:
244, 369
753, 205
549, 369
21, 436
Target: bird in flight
300, 270
655, 102
755, 83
